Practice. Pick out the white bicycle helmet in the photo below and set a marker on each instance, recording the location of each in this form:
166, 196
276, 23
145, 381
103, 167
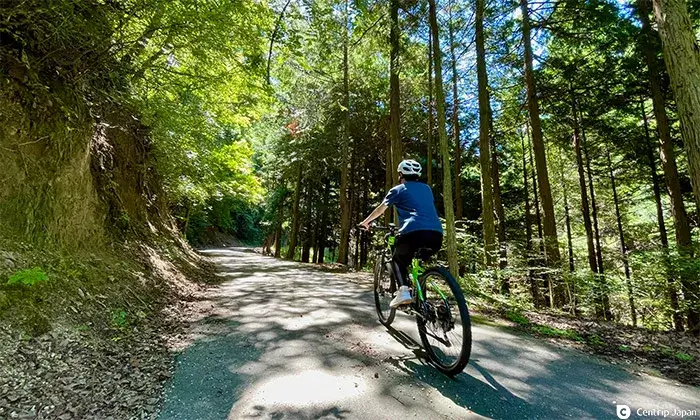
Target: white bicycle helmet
410, 167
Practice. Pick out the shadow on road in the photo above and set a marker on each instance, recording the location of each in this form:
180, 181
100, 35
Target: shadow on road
287, 342
489, 399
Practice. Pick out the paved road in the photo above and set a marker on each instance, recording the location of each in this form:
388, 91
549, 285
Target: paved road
290, 342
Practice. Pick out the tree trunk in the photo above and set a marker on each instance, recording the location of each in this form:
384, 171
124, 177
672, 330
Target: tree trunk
345, 205
538, 214
395, 96
568, 232
273, 37
487, 212
323, 231
682, 57
306, 249
604, 297
354, 205
538, 218
600, 309
455, 125
672, 287
668, 18
278, 234
295, 214
498, 204
623, 246
594, 207
585, 208
552, 254
500, 213
444, 148
567, 218
431, 105
308, 223
356, 257
187, 220
316, 242
389, 177
571, 285
500, 217
364, 248
534, 290
320, 253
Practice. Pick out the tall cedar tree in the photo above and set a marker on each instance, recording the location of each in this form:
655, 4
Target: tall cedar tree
549, 223
431, 106
395, 94
683, 63
455, 120
682, 57
345, 201
670, 279
444, 147
487, 212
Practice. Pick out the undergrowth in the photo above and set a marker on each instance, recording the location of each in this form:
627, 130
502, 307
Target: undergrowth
96, 290
631, 344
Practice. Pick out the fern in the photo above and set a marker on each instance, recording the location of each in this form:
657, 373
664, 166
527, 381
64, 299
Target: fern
28, 277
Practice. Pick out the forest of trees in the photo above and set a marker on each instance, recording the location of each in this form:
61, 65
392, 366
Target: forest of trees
570, 162
561, 137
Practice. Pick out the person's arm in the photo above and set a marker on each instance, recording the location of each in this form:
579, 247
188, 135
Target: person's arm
391, 199
376, 213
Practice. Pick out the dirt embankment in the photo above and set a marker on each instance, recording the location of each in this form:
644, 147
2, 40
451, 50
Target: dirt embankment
94, 338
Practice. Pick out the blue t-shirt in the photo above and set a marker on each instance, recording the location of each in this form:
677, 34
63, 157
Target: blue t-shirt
416, 207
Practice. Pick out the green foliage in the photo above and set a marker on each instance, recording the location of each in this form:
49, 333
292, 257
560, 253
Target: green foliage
232, 150
557, 332
201, 90
683, 357
517, 317
595, 340
28, 277
120, 319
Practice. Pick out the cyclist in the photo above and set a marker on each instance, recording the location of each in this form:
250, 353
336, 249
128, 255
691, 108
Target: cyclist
420, 226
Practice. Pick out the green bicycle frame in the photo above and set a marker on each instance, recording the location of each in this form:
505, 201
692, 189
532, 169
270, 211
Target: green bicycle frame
416, 272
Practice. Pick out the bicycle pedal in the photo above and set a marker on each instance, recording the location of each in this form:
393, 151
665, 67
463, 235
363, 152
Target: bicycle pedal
406, 308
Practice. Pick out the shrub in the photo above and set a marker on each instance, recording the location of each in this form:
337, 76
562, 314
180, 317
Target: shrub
518, 318
28, 277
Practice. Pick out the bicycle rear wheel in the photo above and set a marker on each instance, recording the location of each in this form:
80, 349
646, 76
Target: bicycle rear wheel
444, 325
384, 289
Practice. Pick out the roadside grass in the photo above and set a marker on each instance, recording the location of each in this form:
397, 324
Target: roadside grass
548, 331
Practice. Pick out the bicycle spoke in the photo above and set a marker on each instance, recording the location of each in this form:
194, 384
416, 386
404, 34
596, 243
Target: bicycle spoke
383, 293
441, 322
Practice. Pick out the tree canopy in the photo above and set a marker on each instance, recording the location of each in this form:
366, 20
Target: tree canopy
558, 134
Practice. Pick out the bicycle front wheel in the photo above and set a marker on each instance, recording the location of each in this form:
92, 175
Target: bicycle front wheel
443, 322
384, 289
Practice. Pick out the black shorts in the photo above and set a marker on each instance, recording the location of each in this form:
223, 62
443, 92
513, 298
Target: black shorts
407, 244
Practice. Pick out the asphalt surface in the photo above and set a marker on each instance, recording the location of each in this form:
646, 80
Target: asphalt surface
287, 341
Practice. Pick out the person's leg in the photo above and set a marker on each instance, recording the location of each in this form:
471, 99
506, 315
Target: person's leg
433, 240
404, 250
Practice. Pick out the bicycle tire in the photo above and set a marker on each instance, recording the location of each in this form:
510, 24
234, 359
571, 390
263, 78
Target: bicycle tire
461, 361
386, 315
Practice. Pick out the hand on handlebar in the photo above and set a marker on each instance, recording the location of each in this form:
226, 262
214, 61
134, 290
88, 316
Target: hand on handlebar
364, 226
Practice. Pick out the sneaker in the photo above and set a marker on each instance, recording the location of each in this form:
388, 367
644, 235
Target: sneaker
402, 297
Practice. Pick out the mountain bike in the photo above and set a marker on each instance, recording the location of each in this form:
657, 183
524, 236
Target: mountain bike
438, 303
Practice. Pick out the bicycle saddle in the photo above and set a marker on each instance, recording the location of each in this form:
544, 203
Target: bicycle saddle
424, 254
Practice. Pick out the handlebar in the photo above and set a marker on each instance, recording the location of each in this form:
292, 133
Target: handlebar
390, 228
